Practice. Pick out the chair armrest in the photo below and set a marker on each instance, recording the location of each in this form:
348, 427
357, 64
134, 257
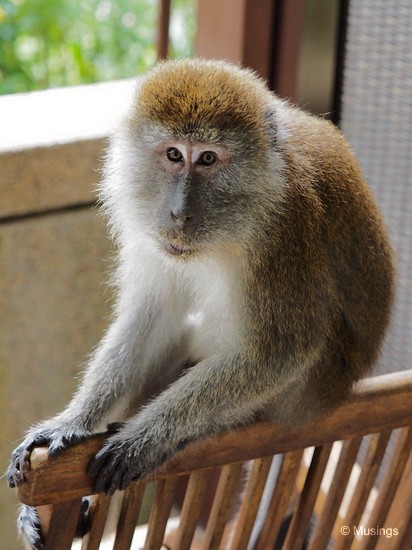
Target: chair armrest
380, 403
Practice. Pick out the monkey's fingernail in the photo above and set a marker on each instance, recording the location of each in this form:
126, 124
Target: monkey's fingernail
115, 426
54, 452
93, 467
10, 482
24, 461
38, 441
100, 485
111, 490
18, 478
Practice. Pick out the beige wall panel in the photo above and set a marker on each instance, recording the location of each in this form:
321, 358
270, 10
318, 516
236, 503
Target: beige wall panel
54, 307
45, 178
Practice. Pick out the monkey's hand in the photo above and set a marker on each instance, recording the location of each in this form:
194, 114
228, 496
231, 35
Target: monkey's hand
212, 396
129, 455
55, 434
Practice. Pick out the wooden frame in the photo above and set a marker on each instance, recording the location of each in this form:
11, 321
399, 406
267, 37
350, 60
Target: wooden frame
378, 406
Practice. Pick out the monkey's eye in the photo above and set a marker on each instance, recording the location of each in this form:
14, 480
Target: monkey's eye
174, 155
207, 158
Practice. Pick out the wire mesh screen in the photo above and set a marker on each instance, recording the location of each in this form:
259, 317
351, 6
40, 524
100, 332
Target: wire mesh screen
376, 117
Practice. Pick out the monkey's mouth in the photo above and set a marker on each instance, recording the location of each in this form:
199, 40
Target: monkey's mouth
176, 250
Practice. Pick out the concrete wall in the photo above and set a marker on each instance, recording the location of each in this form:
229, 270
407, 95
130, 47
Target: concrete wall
54, 260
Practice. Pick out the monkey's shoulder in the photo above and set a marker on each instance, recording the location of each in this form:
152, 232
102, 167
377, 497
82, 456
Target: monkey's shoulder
315, 152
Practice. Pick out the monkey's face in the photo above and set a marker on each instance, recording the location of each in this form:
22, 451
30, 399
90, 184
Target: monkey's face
195, 195
183, 208
194, 165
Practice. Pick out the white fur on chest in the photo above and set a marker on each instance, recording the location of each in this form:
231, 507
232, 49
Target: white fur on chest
196, 305
212, 322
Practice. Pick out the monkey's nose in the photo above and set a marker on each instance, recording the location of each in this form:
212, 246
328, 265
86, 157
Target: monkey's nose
186, 221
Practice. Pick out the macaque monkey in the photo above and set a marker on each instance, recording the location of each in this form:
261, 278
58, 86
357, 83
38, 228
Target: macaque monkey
254, 273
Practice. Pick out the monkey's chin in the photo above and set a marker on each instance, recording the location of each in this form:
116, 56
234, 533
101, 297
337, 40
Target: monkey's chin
175, 250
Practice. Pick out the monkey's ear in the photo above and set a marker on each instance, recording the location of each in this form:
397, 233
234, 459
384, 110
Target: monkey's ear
271, 126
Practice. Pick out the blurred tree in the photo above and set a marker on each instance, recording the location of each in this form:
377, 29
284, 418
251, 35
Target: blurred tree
48, 43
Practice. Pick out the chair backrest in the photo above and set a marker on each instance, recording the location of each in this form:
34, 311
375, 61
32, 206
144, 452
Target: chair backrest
325, 477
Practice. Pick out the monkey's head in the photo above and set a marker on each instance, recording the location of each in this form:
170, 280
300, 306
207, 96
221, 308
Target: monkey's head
195, 157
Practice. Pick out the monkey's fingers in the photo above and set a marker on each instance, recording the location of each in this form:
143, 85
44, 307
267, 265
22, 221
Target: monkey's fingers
20, 460
103, 468
59, 444
14, 477
55, 438
97, 462
111, 470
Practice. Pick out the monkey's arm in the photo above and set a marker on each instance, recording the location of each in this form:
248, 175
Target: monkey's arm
117, 374
93, 398
218, 393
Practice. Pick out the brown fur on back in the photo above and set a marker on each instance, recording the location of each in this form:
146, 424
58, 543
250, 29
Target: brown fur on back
330, 273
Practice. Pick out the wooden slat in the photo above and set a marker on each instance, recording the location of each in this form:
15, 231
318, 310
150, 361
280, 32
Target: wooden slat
129, 512
44, 513
63, 525
301, 517
383, 402
406, 542
98, 517
280, 499
370, 468
390, 483
163, 29
191, 510
58, 175
337, 489
251, 497
159, 515
400, 512
227, 486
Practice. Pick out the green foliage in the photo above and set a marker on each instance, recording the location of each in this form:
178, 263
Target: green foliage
48, 43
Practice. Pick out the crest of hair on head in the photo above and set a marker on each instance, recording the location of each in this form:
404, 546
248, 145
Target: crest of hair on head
194, 97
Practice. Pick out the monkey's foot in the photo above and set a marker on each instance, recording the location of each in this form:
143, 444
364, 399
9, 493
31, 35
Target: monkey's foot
56, 437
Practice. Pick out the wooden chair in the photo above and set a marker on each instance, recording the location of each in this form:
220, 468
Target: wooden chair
329, 482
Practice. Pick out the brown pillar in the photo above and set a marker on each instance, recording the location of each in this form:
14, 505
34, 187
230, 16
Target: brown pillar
239, 31
264, 35
287, 31
163, 29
